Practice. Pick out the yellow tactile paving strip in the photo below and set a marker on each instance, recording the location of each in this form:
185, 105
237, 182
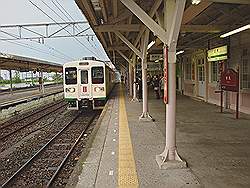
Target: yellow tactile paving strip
127, 176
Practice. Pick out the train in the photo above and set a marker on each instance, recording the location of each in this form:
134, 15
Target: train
87, 83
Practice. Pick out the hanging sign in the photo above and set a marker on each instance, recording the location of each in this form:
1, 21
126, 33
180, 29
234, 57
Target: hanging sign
166, 75
230, 80
217, 54
154, 57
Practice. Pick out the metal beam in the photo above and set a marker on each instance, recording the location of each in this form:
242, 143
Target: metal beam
146, 19
128, 43
174, 31
122, 16
204, 28
124, 56
86, 7
120, 27
116, 47
194, 10
246, 2
48, 30
151, 14
104, 13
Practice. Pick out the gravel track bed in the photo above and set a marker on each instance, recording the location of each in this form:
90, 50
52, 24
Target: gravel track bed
12, 162
40, 171
18, 117
38, 124
9, 128
64, 174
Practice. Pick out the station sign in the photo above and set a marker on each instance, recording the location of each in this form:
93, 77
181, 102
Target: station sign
217, 54
230, 80
154, 57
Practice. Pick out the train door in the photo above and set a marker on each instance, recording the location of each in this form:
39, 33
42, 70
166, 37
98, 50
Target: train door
84, 86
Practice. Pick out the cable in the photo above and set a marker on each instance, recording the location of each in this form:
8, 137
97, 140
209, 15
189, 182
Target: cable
61, 27
51, 48
72, 19
32, 48
61, 10
53, 10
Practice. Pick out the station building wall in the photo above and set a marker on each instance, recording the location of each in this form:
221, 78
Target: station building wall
195, 61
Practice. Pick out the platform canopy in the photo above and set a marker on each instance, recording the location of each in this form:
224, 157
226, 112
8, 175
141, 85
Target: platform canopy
203, 21
14, 62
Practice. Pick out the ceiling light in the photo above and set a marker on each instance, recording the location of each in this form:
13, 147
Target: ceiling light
180, 52
235, 31
150, 44
196, 2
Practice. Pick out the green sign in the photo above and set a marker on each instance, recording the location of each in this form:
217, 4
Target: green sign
217, 54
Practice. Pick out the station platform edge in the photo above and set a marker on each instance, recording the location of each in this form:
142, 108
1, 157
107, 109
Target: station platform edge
124, 149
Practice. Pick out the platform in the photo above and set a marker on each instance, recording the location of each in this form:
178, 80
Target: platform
25, 94
215, 146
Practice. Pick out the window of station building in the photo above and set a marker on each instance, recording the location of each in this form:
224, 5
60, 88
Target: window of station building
97, 75
187, 69
84, 77
245, 70
214, 71
70, 75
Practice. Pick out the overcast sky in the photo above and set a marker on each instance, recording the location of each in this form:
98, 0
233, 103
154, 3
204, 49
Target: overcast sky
23, 12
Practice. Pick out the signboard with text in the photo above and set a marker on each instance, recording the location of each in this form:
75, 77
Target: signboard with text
230, 80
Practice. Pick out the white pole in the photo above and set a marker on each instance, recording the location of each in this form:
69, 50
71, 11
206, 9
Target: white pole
144, 86
135, 99
171, 107
11, 82
145, 114
130, 80
173, 9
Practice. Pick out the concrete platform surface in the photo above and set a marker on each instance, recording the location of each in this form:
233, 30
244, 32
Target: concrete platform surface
103, 167
215, 145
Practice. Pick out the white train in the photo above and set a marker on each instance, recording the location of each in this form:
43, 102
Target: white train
87, 83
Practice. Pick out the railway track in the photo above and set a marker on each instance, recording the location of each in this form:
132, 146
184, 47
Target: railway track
46, 164
19, 124
27, 115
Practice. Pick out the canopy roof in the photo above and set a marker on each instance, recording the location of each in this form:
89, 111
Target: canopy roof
202, 24
14, 62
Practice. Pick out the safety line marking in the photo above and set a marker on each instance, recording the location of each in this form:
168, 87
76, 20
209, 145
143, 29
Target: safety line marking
127, 169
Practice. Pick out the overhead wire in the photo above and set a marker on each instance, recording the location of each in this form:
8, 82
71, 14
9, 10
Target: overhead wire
32, 48
65, 57
62, 10
82, 44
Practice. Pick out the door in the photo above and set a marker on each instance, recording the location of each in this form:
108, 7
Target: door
84, 86
201, 81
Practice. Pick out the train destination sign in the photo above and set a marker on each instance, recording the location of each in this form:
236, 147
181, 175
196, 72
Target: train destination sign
230, 80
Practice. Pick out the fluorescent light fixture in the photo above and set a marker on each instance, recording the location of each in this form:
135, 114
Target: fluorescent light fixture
180, 52
235, 31
196, 2
151, 44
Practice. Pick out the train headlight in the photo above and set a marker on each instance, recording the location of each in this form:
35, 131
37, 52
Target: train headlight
99, 89
70, 90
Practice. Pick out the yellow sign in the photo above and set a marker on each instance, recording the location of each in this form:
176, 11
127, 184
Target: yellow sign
217, 54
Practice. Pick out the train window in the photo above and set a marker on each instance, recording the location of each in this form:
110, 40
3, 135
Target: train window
84, 77
70, 75
97, 75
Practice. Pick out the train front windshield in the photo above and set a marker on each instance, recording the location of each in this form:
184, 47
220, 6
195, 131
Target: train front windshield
70, 75
97, 75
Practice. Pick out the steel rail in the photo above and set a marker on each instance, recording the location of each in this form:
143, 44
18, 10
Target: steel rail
70, 151
38, 152
22, 127
31, 114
